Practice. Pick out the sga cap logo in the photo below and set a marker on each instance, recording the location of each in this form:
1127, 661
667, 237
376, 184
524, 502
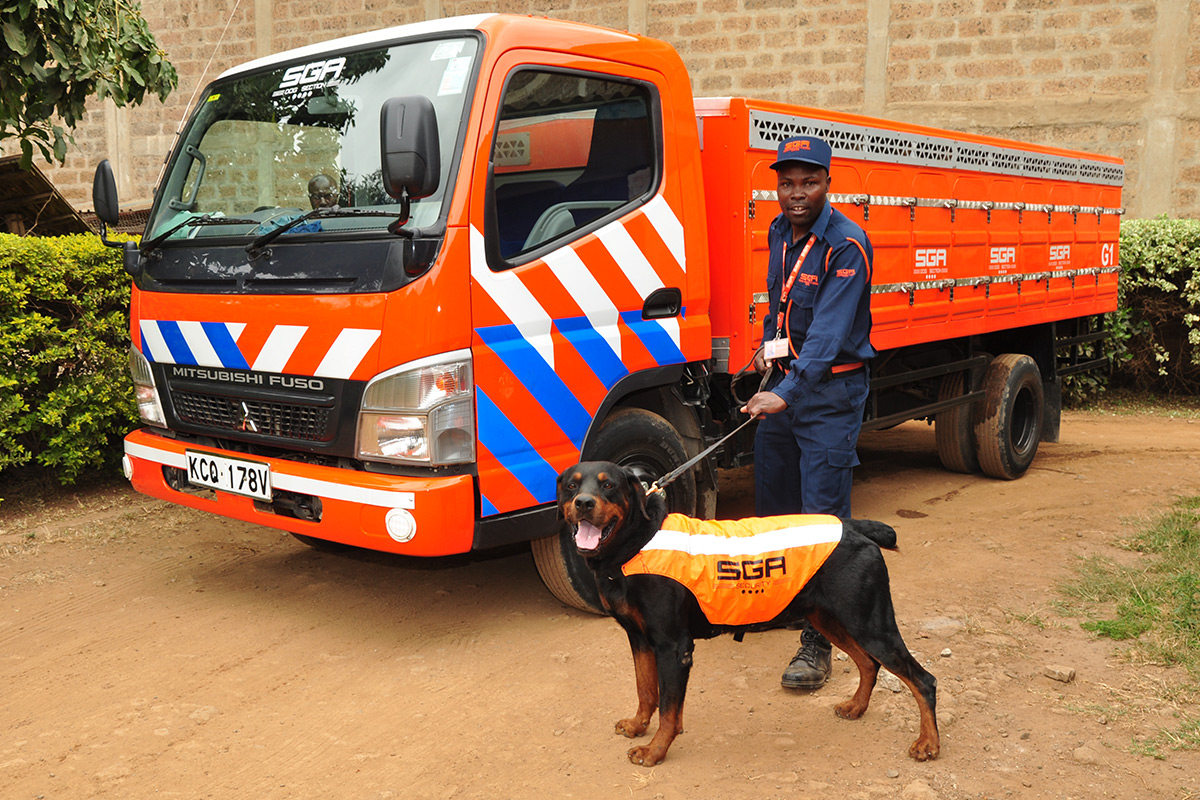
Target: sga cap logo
803, 150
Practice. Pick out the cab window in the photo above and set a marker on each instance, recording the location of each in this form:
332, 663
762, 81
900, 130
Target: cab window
571, 151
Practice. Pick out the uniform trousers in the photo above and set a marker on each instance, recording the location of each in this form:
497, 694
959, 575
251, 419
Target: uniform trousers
804, 456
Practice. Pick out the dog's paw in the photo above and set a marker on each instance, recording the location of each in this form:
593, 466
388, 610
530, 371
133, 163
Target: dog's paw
631, 728
924, 749
646, 756
849, 709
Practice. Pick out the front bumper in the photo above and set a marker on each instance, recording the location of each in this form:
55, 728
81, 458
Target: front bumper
353, 504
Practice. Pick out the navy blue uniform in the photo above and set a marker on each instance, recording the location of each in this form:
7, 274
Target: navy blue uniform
811, 447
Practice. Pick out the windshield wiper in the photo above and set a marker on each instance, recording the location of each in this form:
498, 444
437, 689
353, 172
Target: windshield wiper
255, 248
207, 219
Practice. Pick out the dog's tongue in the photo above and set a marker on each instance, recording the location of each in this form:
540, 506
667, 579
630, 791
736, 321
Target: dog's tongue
587, 537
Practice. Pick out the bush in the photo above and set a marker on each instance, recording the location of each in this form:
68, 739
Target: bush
1156, 330
65, 395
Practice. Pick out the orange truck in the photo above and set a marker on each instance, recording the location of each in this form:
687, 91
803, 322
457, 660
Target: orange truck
532, 245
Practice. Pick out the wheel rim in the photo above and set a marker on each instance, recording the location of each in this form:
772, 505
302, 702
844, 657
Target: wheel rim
1024, 418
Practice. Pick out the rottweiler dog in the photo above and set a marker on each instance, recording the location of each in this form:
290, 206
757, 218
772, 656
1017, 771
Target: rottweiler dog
847, 597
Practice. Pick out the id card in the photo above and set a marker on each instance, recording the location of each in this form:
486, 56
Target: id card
775, 348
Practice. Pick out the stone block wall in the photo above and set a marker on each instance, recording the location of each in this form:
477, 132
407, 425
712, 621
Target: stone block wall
1119, 77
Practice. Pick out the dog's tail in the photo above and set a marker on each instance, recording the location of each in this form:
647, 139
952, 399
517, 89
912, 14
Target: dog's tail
878, 532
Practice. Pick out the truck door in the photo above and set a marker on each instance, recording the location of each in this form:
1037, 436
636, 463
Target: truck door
571, 235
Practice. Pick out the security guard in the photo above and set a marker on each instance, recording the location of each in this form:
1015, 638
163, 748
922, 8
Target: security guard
817, 334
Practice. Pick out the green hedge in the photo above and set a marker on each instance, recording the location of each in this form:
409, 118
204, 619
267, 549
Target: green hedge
1155, 341
65, 394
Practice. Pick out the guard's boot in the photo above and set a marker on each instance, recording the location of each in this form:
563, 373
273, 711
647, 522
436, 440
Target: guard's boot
810, 666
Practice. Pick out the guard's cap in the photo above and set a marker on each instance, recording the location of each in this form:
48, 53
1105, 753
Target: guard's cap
803, 149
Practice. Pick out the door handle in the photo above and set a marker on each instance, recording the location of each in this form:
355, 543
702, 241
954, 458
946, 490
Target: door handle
663, 303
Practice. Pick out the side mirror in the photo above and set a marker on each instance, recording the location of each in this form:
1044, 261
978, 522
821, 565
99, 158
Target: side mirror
104, 194
104, 198
410, 155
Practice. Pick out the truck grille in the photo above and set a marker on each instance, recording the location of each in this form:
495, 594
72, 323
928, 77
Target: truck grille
280, 420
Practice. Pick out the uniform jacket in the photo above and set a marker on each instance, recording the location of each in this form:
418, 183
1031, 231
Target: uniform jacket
741, 571
828, 314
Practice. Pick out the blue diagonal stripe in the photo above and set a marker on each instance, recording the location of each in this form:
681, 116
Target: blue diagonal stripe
660, 344
224, 345
180, 352
513, 451
542, 382
487, 508
596, 352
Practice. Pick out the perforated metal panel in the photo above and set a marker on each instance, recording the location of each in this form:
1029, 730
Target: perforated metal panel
512, 149
768, 129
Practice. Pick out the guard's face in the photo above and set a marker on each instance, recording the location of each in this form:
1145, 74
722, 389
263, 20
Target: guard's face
801, 190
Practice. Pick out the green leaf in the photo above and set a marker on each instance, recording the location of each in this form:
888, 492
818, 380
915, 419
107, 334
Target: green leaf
15, 38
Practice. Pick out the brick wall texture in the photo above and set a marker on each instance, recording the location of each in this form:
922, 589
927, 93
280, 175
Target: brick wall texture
1119, 77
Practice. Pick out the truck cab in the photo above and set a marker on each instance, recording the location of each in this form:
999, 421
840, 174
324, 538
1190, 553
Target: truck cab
404, 370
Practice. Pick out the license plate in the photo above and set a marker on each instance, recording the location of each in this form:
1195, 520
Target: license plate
247, 478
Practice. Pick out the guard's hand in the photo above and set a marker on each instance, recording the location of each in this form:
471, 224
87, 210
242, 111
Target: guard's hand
760, 362
764, 403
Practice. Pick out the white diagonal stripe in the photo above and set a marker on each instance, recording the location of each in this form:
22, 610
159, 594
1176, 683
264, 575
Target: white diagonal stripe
671, 326
279, 348
629, 258
235, 329
346, 353
706, 544
514, 299
579, 282
159, 352
198, 343
659, 212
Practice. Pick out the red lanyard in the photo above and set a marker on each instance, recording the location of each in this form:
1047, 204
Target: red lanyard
787, 287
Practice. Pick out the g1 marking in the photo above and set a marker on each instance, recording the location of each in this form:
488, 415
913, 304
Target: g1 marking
1108, 254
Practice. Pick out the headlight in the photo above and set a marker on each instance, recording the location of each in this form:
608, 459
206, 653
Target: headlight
146, 393
421, 413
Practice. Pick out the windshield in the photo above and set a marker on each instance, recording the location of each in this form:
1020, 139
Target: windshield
265, 148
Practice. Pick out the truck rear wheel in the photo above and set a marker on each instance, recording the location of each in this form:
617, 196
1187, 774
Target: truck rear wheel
644, 443
1008, 421
954, 429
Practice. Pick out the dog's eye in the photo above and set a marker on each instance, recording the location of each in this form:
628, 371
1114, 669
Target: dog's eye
609, 485
572, 485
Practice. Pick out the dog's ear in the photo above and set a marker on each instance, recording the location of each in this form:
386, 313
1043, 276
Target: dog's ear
558, 497
637, 494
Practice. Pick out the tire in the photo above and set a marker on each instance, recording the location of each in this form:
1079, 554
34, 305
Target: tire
954, 428
1008, 421
640, 441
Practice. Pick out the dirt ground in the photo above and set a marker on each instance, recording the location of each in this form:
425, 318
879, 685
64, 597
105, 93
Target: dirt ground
152, 651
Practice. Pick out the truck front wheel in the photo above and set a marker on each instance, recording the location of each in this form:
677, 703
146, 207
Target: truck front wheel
650, 447
1008, 420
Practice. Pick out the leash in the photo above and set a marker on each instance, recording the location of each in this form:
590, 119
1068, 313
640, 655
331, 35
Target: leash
661, 483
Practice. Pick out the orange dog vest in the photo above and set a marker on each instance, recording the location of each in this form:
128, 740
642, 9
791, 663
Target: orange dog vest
741, 571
